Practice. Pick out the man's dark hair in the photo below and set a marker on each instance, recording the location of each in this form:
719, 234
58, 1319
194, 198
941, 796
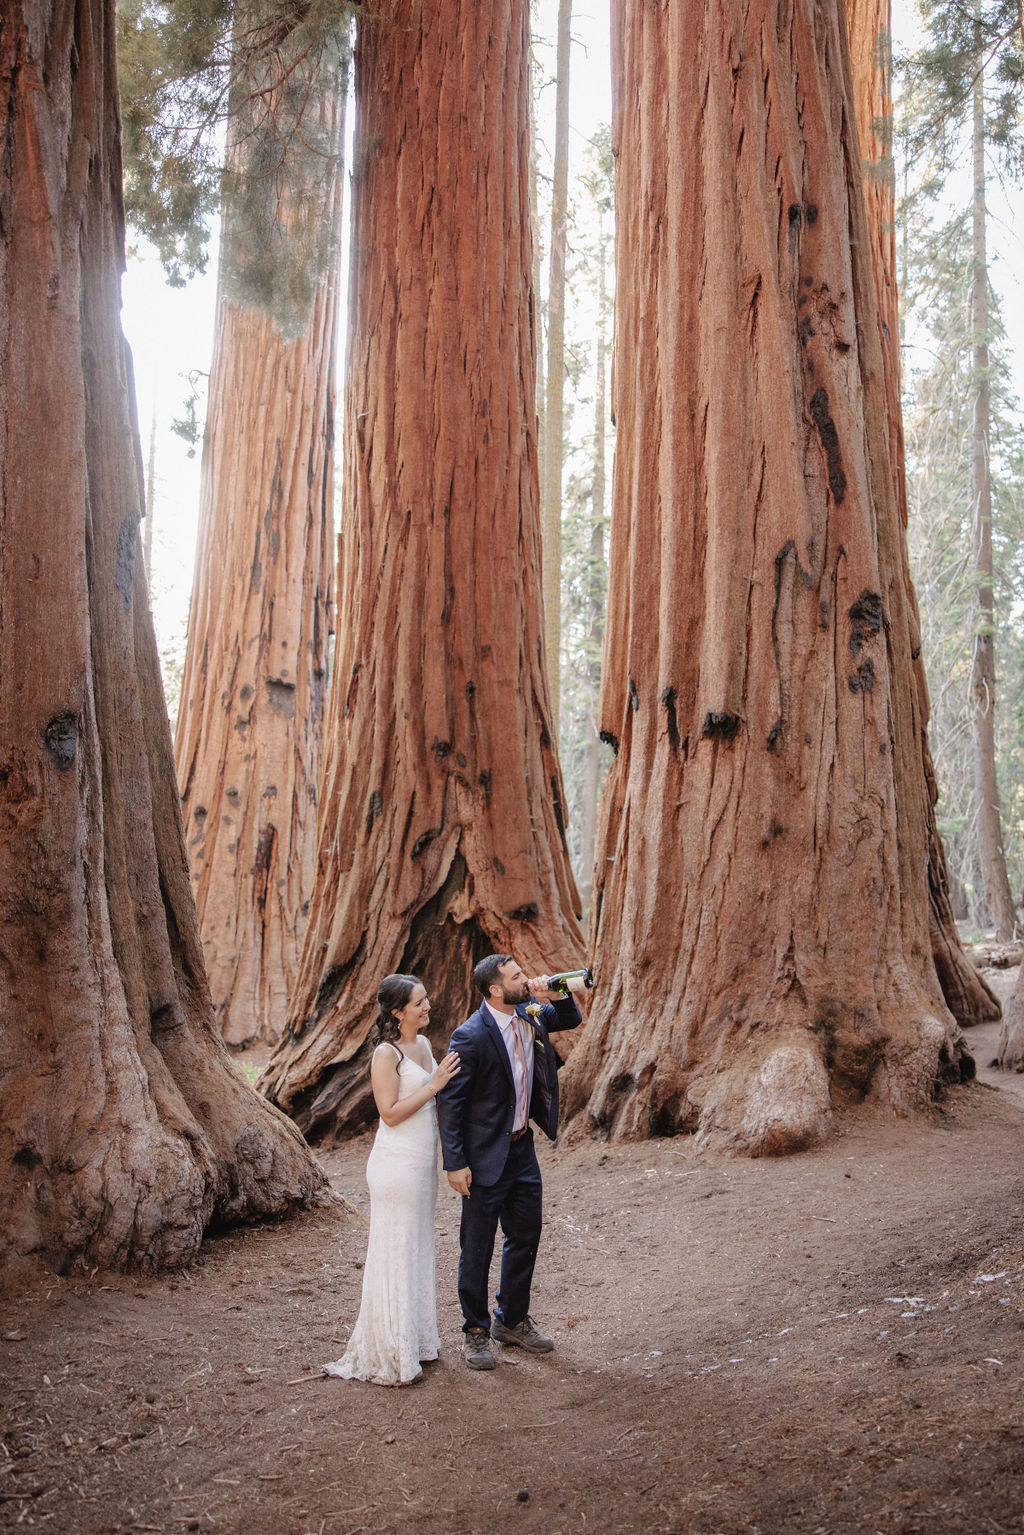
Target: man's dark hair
488, 972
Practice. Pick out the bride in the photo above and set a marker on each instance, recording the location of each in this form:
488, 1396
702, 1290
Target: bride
396, 1327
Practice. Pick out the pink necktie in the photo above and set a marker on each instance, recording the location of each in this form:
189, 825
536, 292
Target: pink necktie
521, 1090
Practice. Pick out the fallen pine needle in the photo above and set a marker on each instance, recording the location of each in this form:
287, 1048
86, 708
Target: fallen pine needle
832, 1219
300, 1380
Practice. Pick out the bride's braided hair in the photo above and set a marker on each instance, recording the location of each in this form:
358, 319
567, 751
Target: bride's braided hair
393, 993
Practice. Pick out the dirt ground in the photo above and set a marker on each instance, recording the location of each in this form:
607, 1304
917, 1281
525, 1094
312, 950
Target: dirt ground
824, 1343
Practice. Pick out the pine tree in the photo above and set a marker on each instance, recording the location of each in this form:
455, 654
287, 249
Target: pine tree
960, 114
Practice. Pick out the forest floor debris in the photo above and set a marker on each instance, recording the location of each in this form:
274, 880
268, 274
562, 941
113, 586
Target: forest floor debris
826, 1343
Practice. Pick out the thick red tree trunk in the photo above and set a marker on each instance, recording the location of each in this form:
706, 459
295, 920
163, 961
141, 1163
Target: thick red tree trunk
441, 824
968, 997
125, 1131
761, 908
250, 726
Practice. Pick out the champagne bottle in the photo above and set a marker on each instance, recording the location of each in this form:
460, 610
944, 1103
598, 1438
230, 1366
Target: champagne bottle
571, 980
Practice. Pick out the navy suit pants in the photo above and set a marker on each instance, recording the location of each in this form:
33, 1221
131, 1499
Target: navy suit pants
515, 1202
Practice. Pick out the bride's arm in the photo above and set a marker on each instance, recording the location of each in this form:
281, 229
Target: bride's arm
384, 1081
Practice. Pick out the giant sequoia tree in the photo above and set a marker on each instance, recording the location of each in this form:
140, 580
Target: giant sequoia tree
124, 1128
761, 908
250, 724
441, 830
968, 997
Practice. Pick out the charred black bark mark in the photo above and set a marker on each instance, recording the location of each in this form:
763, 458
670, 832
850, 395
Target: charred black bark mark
262, 864
124, 557
499, 867
725, 726
484, 781
668, 698
829, 439
245, 692
460, 758
270, 792
776, 829
852, 1046
786, 553
865, 620
440, 749
327, 994
806, 330
610, 740
524, 913
556, 802
811, 213
470, 690
823, 613
272, 515
61, 739
424, 840
27, 1156
634, 702
863, 679
915, 654
375, 809
281, 696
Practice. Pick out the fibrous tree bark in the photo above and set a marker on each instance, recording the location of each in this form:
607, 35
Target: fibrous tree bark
125, 1130
250, 726
967, 996
441, 823
761, 909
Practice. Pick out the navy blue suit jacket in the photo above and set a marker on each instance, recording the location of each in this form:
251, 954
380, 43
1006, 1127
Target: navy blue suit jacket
476, 1109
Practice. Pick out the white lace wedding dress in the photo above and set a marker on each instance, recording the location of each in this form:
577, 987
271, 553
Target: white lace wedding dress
397, 1323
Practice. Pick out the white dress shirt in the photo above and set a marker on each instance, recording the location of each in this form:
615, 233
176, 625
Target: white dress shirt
523, 1087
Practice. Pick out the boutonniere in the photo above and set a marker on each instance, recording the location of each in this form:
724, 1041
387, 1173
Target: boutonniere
533, 1012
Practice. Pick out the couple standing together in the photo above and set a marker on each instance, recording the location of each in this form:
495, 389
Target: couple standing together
500, 1072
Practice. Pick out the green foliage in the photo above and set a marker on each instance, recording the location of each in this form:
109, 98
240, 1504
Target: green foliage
188, 426
939, 78
938, 407
236, 104
586, 499
962, 100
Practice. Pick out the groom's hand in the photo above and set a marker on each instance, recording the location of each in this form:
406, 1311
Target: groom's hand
460, 1181
539, 988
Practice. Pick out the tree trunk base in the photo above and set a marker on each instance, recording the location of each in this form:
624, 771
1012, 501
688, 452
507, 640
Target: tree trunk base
1010, 1055
777, 1095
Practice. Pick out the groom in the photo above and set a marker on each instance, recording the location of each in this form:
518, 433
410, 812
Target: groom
508, 1077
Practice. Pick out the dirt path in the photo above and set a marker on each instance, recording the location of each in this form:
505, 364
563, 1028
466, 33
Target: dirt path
827, 1343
